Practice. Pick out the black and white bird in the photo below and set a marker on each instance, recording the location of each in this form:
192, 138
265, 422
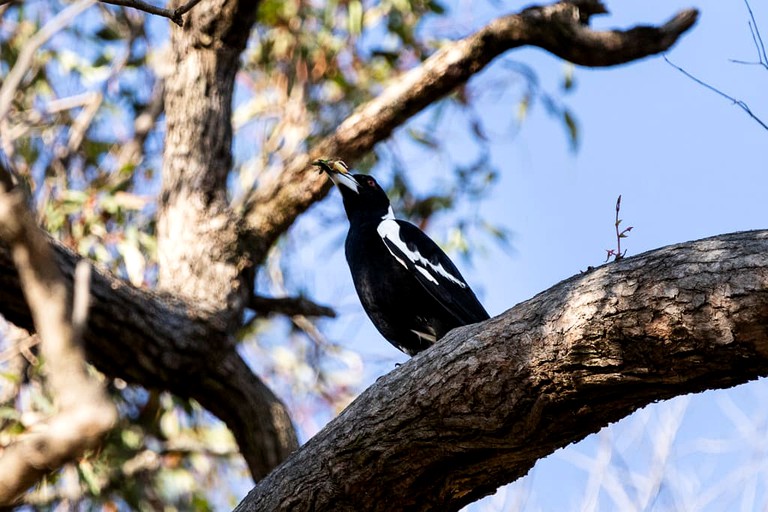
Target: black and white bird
412, 291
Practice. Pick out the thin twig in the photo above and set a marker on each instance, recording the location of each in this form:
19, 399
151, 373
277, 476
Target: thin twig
740, 103
20, 341
149, 8
175, 15
132, 152
756, 37
14, 364
290, 306
619, 254
184, 9
746, 62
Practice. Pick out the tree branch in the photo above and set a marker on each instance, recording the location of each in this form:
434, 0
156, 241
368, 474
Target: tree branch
483, 405
289, 306
84, 411
163, 343
560, 28
740, 103
132, 151
175, 15
18, 343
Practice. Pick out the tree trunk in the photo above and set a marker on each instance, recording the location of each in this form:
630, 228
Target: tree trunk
198, 249
481, 407
201, 258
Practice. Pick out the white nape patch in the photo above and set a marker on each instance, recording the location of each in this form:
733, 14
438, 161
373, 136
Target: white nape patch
389, 229
423, 335
390, 215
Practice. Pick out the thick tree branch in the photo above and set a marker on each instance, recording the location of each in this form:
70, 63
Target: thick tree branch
84, 411
482, 406
559, 28
290, 306
162, 343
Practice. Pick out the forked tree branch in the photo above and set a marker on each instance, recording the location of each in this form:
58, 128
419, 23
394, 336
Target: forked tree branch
560, 28
164, 343
175, 15
739, 103
481, 407
84, 411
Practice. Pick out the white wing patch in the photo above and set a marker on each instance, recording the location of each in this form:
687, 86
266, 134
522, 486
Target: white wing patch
430, 337
389, 229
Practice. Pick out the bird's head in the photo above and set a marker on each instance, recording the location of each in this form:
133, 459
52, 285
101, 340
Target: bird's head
363, 197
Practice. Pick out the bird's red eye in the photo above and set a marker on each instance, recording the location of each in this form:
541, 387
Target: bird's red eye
370, 182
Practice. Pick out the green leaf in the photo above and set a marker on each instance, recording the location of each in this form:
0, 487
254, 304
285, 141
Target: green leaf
10, 376
436, 7
9, 413
573, 129
355, 17
423, 138
108, 34
91, 480
522, 108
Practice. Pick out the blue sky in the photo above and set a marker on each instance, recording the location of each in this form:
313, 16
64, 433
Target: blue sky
689, 164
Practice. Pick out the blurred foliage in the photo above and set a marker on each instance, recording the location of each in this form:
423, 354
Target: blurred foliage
84, 135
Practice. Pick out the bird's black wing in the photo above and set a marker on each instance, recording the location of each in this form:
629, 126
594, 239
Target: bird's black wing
432, 268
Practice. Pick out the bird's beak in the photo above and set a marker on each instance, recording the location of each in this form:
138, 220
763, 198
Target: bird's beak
339, 173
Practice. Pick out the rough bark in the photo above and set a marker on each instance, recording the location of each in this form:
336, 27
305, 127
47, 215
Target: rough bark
201, 259
560, 28
84, 412
480, 408
163, 343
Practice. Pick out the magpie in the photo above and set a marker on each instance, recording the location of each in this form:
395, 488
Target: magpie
410, 289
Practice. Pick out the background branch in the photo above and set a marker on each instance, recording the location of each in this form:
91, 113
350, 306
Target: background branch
488, 401
175, 15
289, 306
132, 152
740, 103
560, 28
24, 61
163, 343
84, 411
